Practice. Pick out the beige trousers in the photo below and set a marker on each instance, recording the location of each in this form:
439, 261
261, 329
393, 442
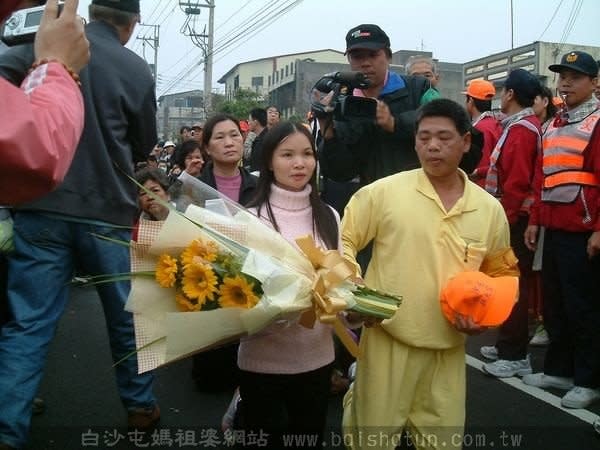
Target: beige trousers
400, 387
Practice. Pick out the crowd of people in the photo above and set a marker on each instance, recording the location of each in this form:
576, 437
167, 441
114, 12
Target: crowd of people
516, 190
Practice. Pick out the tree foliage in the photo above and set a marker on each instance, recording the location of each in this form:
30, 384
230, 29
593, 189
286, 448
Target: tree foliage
243, 101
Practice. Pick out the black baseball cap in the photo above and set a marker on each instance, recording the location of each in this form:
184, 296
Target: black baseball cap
132, 6
579, 62
367, 36
524, 83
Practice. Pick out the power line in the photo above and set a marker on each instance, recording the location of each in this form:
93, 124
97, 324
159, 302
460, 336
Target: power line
571, 21
551, 19
260, 22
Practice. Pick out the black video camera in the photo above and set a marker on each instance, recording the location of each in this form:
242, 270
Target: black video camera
332, 95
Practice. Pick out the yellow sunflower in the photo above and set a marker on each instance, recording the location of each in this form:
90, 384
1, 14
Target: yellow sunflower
207, 250
185, 304
166, 271
199, 282
237, 292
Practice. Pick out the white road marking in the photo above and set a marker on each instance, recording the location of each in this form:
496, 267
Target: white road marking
545, 396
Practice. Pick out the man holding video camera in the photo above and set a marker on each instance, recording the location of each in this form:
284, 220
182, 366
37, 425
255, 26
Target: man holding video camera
384, 144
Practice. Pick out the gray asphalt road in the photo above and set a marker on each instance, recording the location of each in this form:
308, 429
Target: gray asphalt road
83, 410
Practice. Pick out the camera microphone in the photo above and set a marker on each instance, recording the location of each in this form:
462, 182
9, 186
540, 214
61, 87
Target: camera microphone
353, 79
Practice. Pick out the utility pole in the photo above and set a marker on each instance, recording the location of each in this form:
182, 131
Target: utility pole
512, 29
202, 40
153, 42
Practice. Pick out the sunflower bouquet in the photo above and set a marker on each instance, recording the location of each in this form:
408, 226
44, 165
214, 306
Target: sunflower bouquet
207, 277
212, 272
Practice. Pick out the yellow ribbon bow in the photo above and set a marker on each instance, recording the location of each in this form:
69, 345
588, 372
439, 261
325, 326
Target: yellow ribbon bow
331, 270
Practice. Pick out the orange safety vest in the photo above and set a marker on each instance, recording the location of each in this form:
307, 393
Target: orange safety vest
563, 160
491, 179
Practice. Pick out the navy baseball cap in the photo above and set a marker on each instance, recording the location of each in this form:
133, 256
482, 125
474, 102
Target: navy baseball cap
579, 62
524, 83
367, 36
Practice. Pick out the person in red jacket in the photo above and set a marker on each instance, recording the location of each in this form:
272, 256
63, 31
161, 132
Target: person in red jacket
479, 106
42, 120
510, 178
567, 204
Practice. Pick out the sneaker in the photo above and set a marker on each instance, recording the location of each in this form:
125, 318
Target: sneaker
505, 369
229, 417
143, 418
489, 352
542, 380
580, 397
540, 337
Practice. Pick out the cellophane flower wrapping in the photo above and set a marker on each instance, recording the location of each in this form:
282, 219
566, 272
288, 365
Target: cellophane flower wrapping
164, 333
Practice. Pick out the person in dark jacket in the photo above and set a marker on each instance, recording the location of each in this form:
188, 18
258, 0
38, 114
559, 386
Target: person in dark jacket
65, 229
258, 125
372, 150
222, 139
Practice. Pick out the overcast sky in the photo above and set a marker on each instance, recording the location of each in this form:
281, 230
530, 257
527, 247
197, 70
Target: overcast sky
454, 30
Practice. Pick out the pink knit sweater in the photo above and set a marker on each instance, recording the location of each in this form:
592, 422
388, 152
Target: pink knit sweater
283, 347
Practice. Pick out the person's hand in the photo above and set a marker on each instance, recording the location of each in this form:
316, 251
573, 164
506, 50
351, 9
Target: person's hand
465, 324
530, 236
368, 321
384, 117
62, 38
194, 166
593, 244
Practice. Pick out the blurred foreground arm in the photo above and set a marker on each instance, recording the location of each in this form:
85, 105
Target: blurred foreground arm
41, 122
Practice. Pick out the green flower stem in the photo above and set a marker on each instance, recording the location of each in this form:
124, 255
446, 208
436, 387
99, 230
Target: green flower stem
143, 347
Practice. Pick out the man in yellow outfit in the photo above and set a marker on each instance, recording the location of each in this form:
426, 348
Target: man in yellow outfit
427, 225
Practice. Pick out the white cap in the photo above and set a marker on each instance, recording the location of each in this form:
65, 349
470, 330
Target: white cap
168, 144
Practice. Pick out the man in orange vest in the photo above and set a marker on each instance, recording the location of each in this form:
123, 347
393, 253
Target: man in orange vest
510, 179
568, 206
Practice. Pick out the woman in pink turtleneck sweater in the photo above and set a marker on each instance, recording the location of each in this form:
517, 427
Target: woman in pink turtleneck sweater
286, 369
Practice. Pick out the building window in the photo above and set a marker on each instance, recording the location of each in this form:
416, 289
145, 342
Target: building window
236, 83
292, 67
287, 70
498, 75
498, 62
269, 81
474, 69
522, 56
257, 81
281, 70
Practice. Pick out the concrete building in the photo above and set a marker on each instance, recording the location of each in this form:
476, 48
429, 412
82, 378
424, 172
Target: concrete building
176, 110
267, 74
286, 80
534, 57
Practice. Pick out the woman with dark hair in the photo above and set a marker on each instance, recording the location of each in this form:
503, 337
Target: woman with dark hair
285, 370
222, 140
189, 157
